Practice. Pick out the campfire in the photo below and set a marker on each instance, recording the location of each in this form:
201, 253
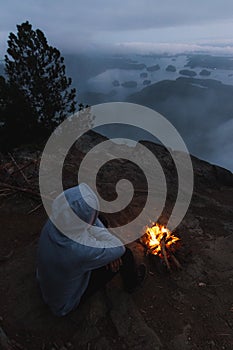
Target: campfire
159, 240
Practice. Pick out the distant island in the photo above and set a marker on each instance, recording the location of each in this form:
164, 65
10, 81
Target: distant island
171, 68
146, 82
153, 68
205, 72
189, 73
211, 62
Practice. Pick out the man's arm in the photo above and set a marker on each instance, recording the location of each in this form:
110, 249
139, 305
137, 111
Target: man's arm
104, 248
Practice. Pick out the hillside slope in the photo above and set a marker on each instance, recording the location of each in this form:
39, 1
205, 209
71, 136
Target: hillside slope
187, 309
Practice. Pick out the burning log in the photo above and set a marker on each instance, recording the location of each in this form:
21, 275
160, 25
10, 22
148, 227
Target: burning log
163, 249
159, 241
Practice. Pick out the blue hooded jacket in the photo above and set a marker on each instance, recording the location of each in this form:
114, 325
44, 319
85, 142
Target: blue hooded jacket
64, 264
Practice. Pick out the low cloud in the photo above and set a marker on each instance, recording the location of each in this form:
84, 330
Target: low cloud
175, 48
86, 23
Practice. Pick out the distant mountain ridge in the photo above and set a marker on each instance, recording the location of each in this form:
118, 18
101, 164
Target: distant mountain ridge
196, 107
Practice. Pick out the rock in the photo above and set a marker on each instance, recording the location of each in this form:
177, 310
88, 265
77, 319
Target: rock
130, 324
88, 141
202, 284
97, 308
93, 312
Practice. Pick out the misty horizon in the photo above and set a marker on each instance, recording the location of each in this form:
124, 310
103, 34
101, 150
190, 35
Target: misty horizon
87, 33
136, 26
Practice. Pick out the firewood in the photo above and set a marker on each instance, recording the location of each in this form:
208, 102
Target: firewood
163, 249
6, 193
35, 209
25, 190
19, 169
31, 162
175, 260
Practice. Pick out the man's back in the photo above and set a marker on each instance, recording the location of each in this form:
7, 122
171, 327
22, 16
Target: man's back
64, 265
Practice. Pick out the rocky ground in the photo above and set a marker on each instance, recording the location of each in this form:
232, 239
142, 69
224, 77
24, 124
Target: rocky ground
188, 309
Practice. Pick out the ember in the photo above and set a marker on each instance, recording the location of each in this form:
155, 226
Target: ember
160, 241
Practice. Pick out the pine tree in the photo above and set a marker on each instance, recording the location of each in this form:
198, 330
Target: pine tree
38, 71
18, 124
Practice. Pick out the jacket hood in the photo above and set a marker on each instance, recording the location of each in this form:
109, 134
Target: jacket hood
84, 204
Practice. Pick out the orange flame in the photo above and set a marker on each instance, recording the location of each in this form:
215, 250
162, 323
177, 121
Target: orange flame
153, 237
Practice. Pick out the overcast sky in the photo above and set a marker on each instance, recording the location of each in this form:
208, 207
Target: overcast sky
144, 25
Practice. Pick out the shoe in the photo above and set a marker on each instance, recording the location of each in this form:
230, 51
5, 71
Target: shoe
141, 276
141, 272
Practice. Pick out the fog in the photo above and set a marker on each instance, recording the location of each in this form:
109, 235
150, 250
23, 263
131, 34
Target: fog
200, 109
82, 25
88, 32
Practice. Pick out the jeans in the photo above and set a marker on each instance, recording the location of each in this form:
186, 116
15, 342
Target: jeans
101, 276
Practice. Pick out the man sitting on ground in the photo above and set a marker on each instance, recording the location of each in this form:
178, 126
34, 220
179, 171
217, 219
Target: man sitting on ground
74, 265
